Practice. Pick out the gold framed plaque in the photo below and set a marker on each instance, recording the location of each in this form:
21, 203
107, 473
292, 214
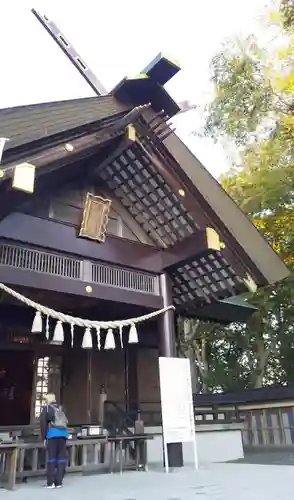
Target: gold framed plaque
95, 218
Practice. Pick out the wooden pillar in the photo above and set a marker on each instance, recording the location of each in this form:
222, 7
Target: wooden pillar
34, 391
131, 377
167, 327
168, 349
89, 386
101, 405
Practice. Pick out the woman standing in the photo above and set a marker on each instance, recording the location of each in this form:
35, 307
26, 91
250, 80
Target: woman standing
54, 432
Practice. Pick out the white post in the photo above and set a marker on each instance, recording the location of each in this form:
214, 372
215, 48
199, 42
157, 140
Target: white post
196, 462
165, 456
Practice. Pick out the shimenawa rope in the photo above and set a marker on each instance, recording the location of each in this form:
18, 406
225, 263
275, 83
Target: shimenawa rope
65, 318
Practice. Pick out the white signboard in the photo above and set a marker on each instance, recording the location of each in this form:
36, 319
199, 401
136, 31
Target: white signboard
177, 402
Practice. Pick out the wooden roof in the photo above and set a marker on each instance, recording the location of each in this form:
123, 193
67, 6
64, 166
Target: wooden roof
157, 179
26, 124
248, 396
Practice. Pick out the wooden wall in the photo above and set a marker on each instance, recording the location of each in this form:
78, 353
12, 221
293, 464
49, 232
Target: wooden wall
148, 376
65, 205
108, 368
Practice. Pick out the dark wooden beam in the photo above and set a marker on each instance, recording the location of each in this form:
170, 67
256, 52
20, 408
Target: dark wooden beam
52, 235
41, 350
21, 277
202, 241
60, 237
58, 156
15, 314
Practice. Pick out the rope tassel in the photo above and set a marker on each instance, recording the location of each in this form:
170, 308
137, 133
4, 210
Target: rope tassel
37, 325
98, 338
109, 341
87, 339
133, 335
121, 337
47, 328
58, 336
72, 333
61, 318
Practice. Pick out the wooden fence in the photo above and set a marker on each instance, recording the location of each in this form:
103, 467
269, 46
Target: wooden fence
267, 413
270, 426
23, 460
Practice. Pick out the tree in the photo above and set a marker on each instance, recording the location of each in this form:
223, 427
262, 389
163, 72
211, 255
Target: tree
253, 106
196, 338
243, 95
201, 343
287, 12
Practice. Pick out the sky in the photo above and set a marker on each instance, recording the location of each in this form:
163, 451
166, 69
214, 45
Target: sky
118, 39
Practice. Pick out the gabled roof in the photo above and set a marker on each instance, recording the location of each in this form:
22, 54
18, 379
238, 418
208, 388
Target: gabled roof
26, 124
163, 186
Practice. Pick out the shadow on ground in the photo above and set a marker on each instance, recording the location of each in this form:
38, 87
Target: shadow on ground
275, 456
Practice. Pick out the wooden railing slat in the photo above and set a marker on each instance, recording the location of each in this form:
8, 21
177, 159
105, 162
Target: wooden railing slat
35, 459
28, 459
21, 460
72, 456
97, 448
84, 456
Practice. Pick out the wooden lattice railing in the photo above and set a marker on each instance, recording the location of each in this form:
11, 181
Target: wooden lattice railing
39, 261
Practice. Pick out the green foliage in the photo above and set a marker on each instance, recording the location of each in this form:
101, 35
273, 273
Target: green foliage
243, 95
253, 107
287, 11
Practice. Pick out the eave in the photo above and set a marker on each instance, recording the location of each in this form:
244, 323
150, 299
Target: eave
50, 154
147, 174
224, 311
27, 125
238, 232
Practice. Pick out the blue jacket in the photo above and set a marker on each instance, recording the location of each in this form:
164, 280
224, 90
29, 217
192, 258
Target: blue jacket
48, 431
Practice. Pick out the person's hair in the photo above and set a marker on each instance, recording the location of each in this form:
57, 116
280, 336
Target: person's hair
50, 398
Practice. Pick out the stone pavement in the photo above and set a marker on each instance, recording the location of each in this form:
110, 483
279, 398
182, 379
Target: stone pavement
276, 456
211, 482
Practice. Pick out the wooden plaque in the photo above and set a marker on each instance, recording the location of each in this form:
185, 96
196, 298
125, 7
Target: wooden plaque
95, 218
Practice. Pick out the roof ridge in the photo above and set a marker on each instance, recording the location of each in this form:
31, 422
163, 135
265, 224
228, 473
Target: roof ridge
53, 103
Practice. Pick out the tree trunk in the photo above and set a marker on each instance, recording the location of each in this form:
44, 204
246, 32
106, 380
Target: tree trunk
200, 351
194, 376
262, 359
205, 366
188, 353
196, 351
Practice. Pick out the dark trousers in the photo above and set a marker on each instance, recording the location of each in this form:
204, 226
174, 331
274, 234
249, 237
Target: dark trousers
56, 460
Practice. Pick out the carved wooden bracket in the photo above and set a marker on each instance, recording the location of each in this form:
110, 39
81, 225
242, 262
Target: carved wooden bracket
95, 218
